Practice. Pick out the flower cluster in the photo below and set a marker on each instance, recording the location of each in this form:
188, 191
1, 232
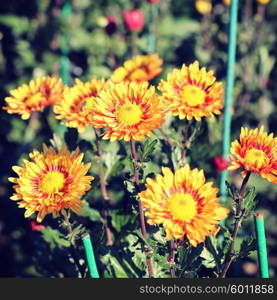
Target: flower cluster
127, 107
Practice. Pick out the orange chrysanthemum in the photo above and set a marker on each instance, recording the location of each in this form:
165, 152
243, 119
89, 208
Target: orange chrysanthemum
74, 108
128, 110
36, 96
51, 182
140, 68
203, 6
192, 92
256, 151
184, 204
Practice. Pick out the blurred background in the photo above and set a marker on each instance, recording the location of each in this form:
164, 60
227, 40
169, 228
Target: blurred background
91, 38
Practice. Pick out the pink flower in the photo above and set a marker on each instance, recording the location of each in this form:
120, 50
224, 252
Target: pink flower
220, 163
133, 19
153, 1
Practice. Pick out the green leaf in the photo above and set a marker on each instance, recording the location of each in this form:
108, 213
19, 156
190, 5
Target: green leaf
231, 189
150, 168
113, 266
208, 259
211, 246
91, 213
148, 149
249, 202
130, 186
248, 245
54, 237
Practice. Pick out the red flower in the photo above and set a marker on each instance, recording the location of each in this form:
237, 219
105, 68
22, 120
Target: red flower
133, 19
35, 226
220, 163
111, 27
153, 1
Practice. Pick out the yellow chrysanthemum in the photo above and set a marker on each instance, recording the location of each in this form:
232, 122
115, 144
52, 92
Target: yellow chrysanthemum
227, 2
203, 6
128, 110
140, 68
77, 101
191, 92
36, 96
51, 182
264, 2
184, 204
256, 151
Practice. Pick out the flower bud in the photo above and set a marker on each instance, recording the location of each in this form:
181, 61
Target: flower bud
133, 19
220, 163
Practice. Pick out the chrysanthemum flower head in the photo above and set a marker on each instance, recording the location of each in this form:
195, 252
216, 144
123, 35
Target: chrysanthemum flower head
191, 92
184, 203
256, 151
74, 107
51, 182
140, 68
203, 6
264, 2
127, 110
36, 96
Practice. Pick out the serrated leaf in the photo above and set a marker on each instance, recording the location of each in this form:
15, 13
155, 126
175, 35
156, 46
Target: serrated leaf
248, 245
211, 246
130, 186
249, 202
208, 259
148, 149
54, 237
91, 213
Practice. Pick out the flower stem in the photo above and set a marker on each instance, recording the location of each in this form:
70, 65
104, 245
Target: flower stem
72, 249
238, 221
171, 258
134, 37
104, 192
147, 251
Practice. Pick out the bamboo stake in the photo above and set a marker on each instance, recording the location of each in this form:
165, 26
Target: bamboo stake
90, 256
65, 63
261, 242
232, 43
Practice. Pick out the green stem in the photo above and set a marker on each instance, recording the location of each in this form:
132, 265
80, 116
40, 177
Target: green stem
147, 251
239, 216
261, 241
90, 256
134, 37
72, 249
232, 43
104, 192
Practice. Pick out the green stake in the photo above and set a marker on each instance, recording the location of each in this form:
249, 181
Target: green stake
261, 241
65, 63
151, 42
90, 256
232, 43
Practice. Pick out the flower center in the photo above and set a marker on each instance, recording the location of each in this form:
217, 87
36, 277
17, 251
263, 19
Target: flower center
193, 95
183, 207
52, 182
129, 114
34, 99
255, 156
